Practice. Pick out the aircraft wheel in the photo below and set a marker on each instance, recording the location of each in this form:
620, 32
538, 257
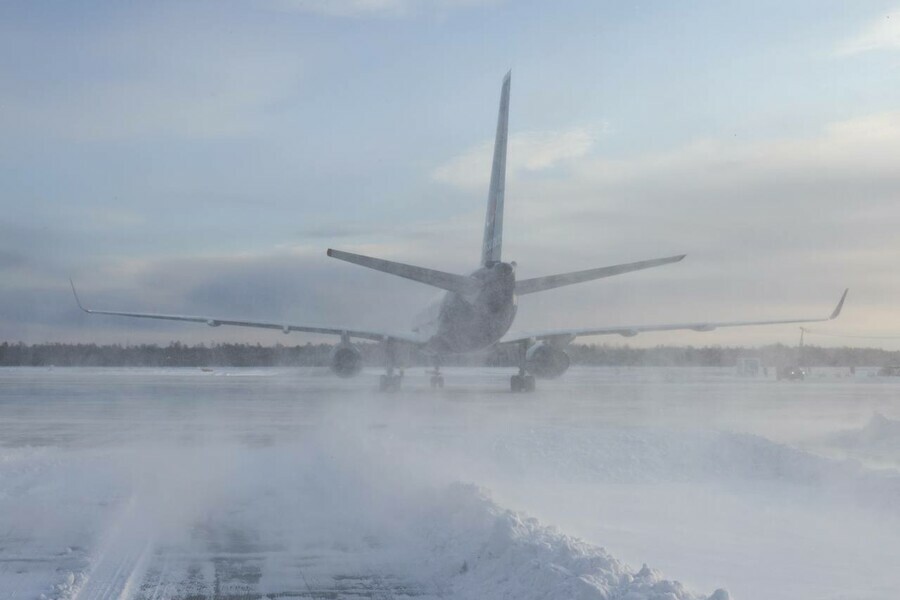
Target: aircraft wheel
528, 383
389, 383
521, 383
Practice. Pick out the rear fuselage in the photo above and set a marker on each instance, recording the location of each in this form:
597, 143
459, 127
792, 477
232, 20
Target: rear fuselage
458, 323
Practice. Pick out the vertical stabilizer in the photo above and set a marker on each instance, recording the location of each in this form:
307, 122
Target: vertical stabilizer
493, 222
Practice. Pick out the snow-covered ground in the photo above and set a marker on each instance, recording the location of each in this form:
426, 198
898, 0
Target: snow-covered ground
240, 483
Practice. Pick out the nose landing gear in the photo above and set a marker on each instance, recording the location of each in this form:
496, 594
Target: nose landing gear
437, 380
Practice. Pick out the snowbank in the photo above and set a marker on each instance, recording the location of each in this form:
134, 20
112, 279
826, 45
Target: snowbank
879, 439
89, 520
485, 551
647, 455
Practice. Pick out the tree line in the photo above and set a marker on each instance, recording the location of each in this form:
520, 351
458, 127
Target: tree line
176, 354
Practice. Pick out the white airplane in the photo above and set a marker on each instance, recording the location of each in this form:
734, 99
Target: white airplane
478, 309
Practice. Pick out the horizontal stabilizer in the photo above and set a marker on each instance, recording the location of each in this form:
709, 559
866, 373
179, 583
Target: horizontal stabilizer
451, 282
539, 284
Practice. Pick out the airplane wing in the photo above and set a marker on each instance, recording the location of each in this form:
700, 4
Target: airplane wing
379, 336
565, 336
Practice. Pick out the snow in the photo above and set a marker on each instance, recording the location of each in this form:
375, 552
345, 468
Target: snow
503, 554
170, 483
878, 441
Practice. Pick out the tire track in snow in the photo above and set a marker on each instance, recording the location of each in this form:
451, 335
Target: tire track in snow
161, 589
120, 564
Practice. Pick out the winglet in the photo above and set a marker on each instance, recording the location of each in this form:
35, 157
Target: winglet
77, 300
840, 305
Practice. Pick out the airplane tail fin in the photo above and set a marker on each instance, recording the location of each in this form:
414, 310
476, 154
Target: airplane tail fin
451, 282
493, 223
539, 284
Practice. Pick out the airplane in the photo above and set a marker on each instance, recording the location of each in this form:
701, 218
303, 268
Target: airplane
477, 310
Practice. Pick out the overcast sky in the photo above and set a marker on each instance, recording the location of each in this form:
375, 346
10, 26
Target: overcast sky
199, 157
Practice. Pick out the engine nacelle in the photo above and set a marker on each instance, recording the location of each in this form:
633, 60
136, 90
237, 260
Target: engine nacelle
346, 361
545, 361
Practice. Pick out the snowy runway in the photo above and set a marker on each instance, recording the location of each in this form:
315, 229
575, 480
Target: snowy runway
287, 483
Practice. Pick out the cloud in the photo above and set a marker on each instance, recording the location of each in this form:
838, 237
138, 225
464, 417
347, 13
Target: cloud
375, 8
776, 204
527, 152
849, 157
10, 259
881, 34
198, 85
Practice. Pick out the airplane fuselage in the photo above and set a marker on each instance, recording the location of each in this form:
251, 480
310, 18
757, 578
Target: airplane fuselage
459, 323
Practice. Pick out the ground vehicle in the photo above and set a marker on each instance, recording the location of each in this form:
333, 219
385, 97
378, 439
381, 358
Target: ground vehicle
792, 373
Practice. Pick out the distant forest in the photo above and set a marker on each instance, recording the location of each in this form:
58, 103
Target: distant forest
249, 355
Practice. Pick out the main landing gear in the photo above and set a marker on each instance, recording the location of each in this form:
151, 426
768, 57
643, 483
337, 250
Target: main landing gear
521, 382
390, 381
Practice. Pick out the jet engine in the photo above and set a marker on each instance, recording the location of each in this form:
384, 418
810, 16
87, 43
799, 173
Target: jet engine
346, 360
545, 361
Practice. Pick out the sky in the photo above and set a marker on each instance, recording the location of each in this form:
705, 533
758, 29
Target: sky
199, 157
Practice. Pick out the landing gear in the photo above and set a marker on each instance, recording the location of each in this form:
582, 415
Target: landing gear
437, 380
522, 382
390, 382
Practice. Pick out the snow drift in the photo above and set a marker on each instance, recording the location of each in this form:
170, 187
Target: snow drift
878, 440
485, 551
